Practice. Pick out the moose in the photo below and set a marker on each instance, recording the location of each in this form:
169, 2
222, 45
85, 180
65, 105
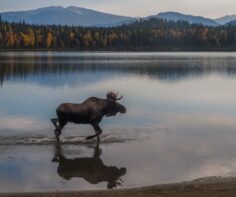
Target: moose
91, 111
91, 169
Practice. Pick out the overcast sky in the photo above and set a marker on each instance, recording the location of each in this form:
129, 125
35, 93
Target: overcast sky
207, 8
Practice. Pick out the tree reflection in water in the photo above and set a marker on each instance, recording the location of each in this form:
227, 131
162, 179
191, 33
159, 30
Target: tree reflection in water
33, 66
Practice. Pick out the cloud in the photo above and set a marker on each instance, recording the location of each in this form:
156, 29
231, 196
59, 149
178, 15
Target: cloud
12, 122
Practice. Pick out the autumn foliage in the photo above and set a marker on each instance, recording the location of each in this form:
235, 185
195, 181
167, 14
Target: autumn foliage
149, 34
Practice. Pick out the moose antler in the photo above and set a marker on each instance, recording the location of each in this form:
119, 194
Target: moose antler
113, 96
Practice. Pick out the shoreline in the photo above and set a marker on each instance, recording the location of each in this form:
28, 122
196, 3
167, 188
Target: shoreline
121, 50
217, 187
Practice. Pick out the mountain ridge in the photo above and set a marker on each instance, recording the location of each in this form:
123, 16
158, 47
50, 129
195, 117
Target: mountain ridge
175, 16
78, 16
59, 15
225, 19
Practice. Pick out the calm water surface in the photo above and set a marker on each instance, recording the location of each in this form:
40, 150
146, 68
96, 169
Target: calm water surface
180, 124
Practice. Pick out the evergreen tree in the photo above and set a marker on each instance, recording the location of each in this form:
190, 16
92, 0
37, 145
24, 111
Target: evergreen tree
153, 33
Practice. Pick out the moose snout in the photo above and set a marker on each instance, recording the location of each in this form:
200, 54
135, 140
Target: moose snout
123, 110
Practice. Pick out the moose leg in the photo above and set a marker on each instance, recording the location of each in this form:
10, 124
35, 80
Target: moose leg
61, 126
58, 129
54, 122
98, 131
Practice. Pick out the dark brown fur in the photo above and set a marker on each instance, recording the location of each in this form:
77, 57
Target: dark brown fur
91, 111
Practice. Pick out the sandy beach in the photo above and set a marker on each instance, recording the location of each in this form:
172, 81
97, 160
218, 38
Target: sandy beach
212, 187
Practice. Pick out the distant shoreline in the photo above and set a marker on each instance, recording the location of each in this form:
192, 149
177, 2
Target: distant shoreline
119, 50
216, 187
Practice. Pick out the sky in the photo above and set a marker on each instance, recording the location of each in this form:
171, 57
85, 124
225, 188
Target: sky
137, 8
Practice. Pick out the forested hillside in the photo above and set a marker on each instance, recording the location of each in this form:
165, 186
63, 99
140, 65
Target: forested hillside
149, 34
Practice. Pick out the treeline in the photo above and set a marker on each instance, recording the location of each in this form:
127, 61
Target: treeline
150, 34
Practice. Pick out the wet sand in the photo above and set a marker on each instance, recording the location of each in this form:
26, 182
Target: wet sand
216, 187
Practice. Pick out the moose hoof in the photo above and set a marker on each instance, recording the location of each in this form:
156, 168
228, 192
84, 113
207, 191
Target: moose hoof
90, 137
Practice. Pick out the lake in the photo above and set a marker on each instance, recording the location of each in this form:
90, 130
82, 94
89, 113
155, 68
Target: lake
179, 126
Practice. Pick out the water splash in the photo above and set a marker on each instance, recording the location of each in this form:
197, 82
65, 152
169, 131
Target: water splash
45, 140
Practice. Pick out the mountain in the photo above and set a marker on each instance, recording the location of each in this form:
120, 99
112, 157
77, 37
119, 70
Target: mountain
175, 16
55, 15
233, 23
77, 16
225, 19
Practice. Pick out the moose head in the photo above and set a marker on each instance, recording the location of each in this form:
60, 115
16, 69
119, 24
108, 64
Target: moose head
116, 107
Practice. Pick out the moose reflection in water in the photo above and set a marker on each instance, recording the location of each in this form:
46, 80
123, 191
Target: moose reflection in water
91, 169
91, 111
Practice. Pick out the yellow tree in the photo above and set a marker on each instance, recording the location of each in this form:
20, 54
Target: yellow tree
49, 40
87, 39
31, 38
10, 39
38, 38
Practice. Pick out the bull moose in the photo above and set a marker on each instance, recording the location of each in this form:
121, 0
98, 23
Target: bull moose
91, 111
